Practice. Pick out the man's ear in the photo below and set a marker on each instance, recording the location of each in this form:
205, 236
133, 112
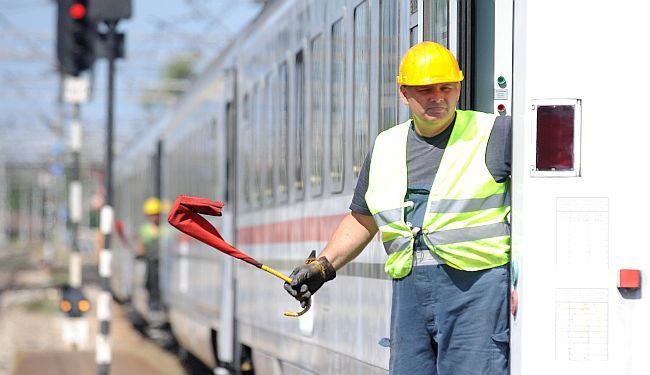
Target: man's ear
403, 94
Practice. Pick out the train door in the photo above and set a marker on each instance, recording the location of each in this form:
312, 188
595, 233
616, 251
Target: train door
479, 33
579, 161
227, 350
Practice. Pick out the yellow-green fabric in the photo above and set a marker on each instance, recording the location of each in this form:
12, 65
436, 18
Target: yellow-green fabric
465, 223
150, 235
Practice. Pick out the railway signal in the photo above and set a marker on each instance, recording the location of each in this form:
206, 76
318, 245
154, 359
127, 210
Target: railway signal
73, 302
74, 305
75, 37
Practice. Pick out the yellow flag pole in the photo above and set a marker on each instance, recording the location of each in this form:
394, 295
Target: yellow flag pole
288, 280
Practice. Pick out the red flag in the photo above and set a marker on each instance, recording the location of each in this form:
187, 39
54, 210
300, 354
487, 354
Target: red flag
185, 217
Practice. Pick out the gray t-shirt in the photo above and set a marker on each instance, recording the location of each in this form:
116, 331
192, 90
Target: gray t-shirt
423, 156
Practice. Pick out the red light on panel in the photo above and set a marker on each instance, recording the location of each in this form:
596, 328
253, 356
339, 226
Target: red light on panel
555, 135
77, 11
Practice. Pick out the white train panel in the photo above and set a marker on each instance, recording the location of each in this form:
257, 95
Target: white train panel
574, 228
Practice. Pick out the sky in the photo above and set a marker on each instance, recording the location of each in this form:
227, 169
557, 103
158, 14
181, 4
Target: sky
34, 125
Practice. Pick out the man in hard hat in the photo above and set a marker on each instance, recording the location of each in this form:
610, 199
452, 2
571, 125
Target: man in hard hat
437, 187
148, 246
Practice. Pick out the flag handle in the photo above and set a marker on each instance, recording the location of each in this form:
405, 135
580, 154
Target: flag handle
287, 280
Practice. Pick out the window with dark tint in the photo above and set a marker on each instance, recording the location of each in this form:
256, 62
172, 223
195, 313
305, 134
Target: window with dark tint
244, 146
361, 122
317, 114
389, 63
413, 21
256, 152
269, 140
337, 100
299, 128
436, 21
555, 125
283, 132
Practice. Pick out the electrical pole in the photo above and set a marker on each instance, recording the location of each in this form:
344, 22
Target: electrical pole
109, 45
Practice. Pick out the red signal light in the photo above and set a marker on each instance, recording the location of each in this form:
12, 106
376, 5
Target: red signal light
77, 11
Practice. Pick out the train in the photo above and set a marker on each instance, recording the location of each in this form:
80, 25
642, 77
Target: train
278, 126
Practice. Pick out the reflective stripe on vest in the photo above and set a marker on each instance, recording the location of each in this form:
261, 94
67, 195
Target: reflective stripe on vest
465, 223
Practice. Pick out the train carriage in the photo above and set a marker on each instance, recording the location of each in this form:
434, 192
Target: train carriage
278, 127
198, 291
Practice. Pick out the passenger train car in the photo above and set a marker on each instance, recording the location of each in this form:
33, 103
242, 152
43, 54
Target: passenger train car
279, 124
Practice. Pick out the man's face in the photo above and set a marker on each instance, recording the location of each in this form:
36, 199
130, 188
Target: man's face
432, 104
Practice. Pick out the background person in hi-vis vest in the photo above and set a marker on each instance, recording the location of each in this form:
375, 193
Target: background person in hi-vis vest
148, 248
437, 187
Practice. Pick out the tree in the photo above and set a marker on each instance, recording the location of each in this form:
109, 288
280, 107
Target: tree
176, 76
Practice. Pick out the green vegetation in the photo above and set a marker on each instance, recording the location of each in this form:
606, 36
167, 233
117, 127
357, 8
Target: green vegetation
176, 76
45, 306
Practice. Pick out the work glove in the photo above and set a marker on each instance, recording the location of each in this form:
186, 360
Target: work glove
307, 278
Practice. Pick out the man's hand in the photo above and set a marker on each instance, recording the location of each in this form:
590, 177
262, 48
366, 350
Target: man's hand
306, 279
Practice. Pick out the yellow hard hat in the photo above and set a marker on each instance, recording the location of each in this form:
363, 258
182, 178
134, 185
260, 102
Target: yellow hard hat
428, 63
151, 206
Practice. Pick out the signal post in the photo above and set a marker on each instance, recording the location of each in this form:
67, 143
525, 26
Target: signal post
75, 55
79, 43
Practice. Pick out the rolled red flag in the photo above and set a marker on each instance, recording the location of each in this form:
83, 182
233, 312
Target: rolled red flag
185, 216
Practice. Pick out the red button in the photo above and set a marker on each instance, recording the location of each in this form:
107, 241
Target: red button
629, 279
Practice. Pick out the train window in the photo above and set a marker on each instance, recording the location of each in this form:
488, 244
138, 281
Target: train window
361, 122
413, 23
337, 100
283, 132
317, 114
389, 61
268, 141
210, 186
192, 178
244, 146
436, 21
230, 153
182, 172
299, 127
215, 159
557, 137
256, 140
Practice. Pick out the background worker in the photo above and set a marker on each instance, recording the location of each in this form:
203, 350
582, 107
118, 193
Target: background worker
148, 249
437, 187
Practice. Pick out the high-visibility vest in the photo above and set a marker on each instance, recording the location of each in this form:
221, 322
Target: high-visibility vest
150, 235
466, 218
